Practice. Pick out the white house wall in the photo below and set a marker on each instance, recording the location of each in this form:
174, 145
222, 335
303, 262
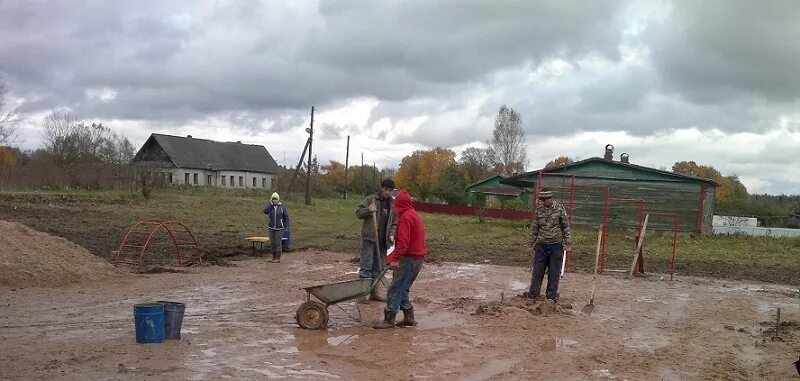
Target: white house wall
241, 179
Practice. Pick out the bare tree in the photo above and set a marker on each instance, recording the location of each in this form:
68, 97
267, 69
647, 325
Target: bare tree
508, 141
9, 119
478, 163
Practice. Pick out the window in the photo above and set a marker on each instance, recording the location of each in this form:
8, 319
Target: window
271, 183
195, 179
208, 180
223, 180
254, 182
231, 181
263, 182
170, 177
186, 179
241, 181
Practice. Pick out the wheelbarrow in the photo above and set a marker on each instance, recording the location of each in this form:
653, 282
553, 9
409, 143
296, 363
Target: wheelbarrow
313, 314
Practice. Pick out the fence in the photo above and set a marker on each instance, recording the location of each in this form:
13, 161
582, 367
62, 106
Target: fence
757, 231
461, 210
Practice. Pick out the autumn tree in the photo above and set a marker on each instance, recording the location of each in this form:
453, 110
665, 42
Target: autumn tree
729, 187
508, 141
7, 161
421, 171
558, 162
478, 163
451, 185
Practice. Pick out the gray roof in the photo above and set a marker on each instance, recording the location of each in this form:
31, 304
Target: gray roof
187, 152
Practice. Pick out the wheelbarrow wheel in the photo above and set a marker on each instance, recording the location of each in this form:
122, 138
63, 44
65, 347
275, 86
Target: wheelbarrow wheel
312, 315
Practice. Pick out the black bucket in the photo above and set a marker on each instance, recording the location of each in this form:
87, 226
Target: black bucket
173, 319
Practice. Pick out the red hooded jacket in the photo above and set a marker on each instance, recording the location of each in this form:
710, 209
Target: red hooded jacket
410, 240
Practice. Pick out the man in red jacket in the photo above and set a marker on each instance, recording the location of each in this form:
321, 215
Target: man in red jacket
406, 261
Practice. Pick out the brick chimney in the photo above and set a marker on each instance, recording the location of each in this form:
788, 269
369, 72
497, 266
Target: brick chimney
609, 152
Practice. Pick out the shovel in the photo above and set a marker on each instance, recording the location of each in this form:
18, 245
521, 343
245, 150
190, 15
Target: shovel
589, 308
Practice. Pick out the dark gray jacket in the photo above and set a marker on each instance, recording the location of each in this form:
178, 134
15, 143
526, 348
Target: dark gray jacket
277, 216
385, 213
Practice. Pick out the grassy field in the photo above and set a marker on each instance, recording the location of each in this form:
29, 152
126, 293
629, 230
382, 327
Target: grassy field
222, 218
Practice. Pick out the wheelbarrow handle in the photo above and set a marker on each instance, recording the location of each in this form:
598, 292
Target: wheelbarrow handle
377, 280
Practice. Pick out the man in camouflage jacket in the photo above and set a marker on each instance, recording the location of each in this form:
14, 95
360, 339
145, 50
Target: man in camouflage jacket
550, 234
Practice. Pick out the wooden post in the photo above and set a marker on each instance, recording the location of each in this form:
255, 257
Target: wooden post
310, 146
346, 166
639, 245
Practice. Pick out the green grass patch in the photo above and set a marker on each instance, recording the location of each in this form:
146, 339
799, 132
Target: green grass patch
221, 218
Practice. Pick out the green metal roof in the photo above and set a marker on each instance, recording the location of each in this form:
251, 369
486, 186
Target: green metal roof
528, 178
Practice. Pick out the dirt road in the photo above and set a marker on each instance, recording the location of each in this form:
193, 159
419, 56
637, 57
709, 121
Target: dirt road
240, 325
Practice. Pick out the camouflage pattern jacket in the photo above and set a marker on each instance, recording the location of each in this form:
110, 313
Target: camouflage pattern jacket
550, 225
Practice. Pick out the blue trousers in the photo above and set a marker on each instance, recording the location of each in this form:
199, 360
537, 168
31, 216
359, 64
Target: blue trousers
397, 296
548, 257
372, 261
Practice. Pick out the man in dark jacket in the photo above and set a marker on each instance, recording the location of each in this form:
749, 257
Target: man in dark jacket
376, 210
406, 261
277, 221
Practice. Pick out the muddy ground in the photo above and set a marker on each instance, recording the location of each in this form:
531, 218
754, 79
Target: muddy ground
240, 325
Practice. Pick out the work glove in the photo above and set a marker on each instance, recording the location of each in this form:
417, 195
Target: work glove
372, 208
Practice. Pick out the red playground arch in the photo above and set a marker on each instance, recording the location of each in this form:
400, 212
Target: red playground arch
133, 247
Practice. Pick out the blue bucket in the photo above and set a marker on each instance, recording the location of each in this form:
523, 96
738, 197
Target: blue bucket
149, 321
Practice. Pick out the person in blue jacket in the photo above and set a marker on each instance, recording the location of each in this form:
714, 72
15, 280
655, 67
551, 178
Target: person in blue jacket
277, 222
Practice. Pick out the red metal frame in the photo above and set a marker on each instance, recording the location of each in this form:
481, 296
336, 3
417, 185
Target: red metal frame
148, 228
640, 201
677, 220
606, 203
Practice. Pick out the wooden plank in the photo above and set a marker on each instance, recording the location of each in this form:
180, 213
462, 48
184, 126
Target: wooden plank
639, 245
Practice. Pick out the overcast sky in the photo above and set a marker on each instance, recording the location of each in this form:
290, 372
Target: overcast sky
717, 82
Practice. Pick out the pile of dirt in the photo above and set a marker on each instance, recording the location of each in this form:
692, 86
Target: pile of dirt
31, 258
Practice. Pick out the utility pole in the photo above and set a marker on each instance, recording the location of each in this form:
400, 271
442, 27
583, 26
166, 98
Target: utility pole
310, 144
374, 173
297, 169
346, 166
362, 168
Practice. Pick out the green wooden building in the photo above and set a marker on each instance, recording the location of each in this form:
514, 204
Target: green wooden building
692, 198
491, 193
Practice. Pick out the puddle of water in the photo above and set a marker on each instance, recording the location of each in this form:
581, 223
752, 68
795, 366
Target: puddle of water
276, 340
549, 345
306, 341
605, 374
492, 369
289, 350
517, 285
211, 352
340, 340
309, 372
642, 340
440, 319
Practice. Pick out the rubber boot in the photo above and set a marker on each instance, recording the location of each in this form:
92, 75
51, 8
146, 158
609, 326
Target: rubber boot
408, 318
388, 320
277, 257
376, 296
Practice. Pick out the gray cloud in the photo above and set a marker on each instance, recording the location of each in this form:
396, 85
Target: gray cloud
710, 51
721, 65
